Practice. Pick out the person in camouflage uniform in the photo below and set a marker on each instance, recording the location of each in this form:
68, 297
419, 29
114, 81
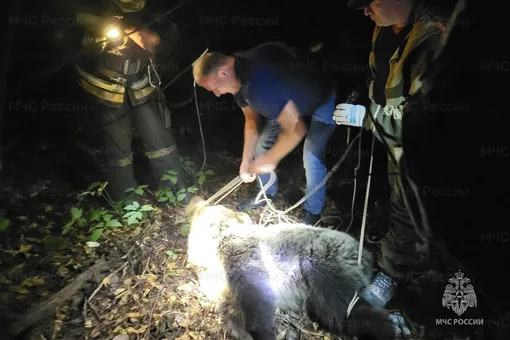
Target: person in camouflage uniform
404, 31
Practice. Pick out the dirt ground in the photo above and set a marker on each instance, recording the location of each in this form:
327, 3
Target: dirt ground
136, 282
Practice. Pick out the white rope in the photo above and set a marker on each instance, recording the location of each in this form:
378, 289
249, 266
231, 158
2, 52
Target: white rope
270, 211
282, 215
235, 183
198, 112
228, 193
363, 222
354, 190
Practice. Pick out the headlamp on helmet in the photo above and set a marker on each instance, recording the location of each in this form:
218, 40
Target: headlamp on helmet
113, 31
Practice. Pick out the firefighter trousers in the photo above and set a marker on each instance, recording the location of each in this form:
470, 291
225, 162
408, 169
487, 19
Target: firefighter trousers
116, 140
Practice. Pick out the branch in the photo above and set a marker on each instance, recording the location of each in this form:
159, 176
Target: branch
47, 307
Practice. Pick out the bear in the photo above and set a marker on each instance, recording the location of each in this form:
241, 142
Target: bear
251, 270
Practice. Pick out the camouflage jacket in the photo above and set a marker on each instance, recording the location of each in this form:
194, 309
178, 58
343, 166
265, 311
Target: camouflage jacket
404, 71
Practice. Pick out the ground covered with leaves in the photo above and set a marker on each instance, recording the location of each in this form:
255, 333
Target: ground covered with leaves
78, 266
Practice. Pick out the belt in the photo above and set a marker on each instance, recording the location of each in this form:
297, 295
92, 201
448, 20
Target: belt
148, 76
116, 77
125, 66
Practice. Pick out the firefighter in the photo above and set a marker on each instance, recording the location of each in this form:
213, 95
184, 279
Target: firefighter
117, 73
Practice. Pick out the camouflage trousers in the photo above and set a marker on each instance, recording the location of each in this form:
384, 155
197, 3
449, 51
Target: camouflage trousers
401, 247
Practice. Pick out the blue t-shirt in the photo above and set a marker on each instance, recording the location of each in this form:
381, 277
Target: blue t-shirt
272, 74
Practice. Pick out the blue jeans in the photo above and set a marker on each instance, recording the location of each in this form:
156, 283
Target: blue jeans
314, 147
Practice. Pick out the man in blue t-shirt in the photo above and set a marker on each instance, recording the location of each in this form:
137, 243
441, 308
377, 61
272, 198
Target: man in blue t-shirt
272, 83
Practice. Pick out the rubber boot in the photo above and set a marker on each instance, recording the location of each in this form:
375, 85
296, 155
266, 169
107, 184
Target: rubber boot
380, 291
119, 179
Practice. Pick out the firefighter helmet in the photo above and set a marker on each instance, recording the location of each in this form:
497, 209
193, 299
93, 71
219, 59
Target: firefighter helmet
130, 5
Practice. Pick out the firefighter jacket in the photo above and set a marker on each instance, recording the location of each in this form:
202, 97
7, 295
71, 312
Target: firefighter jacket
112, 74
404, 71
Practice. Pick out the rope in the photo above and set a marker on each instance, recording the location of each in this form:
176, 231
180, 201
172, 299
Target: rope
233, 184
355, 185
198, 111
363, 221
270, 211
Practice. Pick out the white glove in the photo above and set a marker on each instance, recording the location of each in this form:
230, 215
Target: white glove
349, 114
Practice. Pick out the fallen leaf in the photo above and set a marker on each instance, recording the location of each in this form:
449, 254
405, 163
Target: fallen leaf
140, 330
119, 329
185, 287
95, 333
106, 281
121, 337
18, 289
32, 239
33, 281
185, 323
58, 326
23, 248
119, 291
62, 271
88, 324
4, 281
124, 299
134, 315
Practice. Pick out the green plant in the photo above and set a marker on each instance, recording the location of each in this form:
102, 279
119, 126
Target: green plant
202, 175
98, 220
170, 175
76, 218
4, 224
167, 194
138, 190
135, 213
104, 220
171, 254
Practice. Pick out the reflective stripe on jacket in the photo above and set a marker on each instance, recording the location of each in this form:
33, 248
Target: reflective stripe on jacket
111, 75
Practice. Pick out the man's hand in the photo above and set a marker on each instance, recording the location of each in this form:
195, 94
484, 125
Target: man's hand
263, 165
245, 174
349, 114
145, 38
